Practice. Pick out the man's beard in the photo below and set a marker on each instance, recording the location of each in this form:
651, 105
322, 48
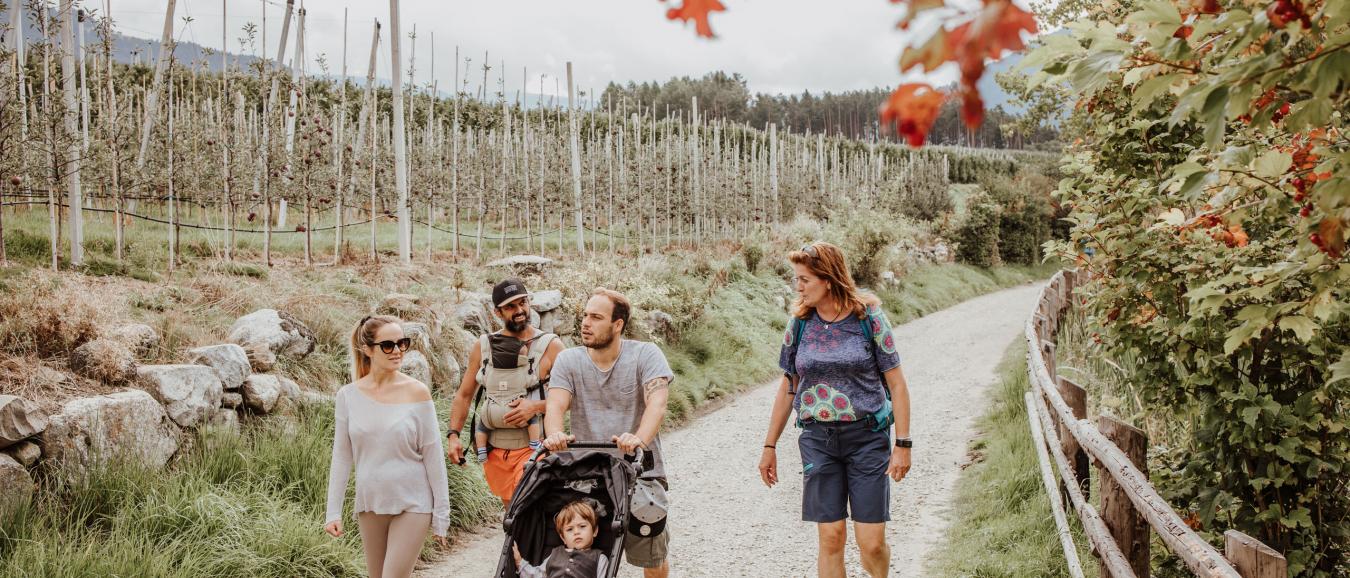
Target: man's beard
597, 343
517, 326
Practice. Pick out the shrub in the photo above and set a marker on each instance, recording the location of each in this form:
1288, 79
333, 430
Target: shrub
866, 241
1024, 216
752, 252
978, 234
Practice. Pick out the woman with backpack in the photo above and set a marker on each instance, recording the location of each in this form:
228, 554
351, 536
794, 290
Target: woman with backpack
843, 383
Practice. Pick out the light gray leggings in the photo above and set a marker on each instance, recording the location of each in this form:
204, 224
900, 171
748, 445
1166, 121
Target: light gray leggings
392, 542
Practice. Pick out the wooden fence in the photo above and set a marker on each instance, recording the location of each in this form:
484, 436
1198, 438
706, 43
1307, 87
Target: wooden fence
1118, 532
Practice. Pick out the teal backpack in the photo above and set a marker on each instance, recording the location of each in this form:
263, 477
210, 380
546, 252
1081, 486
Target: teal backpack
884, 417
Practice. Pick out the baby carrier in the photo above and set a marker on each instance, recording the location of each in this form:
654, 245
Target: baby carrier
506, 376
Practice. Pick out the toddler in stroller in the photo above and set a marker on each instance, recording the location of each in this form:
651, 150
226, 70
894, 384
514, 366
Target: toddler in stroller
554, 491
576, 525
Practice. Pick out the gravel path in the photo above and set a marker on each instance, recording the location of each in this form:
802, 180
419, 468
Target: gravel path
726, 523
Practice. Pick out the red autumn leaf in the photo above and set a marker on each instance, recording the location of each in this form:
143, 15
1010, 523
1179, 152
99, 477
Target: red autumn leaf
697, 10
934, 53
913, 108
1183, 32
914, 8
1332, 233
972, 108
1206, 6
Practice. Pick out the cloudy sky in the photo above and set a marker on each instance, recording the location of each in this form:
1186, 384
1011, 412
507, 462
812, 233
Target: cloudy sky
778, 45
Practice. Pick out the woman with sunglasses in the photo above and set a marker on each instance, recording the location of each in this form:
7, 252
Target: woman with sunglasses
842, 380
386, 427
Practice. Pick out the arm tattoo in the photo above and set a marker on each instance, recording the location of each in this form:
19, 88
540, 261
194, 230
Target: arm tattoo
655, 384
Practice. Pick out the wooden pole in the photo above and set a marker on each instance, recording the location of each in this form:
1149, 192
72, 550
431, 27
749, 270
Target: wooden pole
1252, 558
339, 148
400, 140
1128, 526
1056, 505
1076, 398
576, 160
75, 194
152, 98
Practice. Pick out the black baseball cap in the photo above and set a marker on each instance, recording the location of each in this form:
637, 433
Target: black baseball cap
507, 291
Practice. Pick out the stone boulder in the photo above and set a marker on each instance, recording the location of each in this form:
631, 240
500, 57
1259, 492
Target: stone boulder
473, 317
123, 425
16, 486
661, 325
453, 373
25, 452
225, 419
139, 337
261, 393
229, 361
268, 333
232, 399
20, 419
105, 360
547, 300
190, 393
419, 334
559, 322
416, 366
523, 264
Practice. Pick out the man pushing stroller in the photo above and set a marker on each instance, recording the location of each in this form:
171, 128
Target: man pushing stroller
616, 389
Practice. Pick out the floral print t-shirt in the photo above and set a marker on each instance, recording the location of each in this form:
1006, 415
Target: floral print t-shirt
838, 378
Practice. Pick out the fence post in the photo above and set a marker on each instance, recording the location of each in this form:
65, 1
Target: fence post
1076, 397
1251, 558
1048, 353
1128, 527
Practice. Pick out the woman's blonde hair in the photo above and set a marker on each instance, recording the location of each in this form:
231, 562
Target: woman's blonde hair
364, 336
827, 262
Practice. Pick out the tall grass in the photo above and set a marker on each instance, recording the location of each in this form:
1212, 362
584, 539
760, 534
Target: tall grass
229, 505
1003, 525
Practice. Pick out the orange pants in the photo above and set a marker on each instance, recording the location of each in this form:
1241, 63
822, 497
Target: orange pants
503, 469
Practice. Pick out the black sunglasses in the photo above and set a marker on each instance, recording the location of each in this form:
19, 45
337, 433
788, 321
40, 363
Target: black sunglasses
388, 346
811, 252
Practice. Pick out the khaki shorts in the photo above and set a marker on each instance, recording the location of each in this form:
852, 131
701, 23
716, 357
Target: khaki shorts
648, 551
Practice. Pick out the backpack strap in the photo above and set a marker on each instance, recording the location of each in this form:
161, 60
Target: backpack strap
484, 353
538, 347
798, 328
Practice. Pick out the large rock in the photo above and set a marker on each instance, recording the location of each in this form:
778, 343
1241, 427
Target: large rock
473, 317
558, 322
141, 338
662, 325
416, 366
105, 360
419, 334
261, 393
16, 486
268, 333
19, 420
123, 425
229, 361
453, 373
190, 393
523, 264
25, 452
231, 400
547, 300
226, 419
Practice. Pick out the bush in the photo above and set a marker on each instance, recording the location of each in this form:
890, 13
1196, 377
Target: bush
978, 234
1024, 216
920, 191
753, 253
867, 240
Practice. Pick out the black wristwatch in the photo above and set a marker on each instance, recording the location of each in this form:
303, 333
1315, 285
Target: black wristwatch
904, 443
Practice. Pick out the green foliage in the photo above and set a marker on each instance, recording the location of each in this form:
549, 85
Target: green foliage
1024, 215
1214, 199
1002, 524
921, 190
867, 238
752, 252
977, 236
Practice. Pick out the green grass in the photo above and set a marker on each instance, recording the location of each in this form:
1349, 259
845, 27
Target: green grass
1003, 525
250, 505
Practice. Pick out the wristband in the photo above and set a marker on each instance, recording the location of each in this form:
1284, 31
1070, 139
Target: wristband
453, 432
771, 447
904, 443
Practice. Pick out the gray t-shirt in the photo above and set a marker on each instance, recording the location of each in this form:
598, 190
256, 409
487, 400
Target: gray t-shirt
609, 403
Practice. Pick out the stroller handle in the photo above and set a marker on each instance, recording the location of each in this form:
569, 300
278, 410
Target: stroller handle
636, 457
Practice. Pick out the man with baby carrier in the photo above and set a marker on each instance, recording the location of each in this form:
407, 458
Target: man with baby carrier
616, 391
504, 380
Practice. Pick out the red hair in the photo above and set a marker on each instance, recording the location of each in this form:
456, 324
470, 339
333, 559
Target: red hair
827, 262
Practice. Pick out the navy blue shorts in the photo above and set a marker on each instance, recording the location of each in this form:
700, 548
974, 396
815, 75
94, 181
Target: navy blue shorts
844, 471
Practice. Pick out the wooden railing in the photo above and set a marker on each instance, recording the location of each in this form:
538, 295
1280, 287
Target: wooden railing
1119, 534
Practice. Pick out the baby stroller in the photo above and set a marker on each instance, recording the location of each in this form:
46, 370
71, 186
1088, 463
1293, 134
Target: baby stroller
556, 479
